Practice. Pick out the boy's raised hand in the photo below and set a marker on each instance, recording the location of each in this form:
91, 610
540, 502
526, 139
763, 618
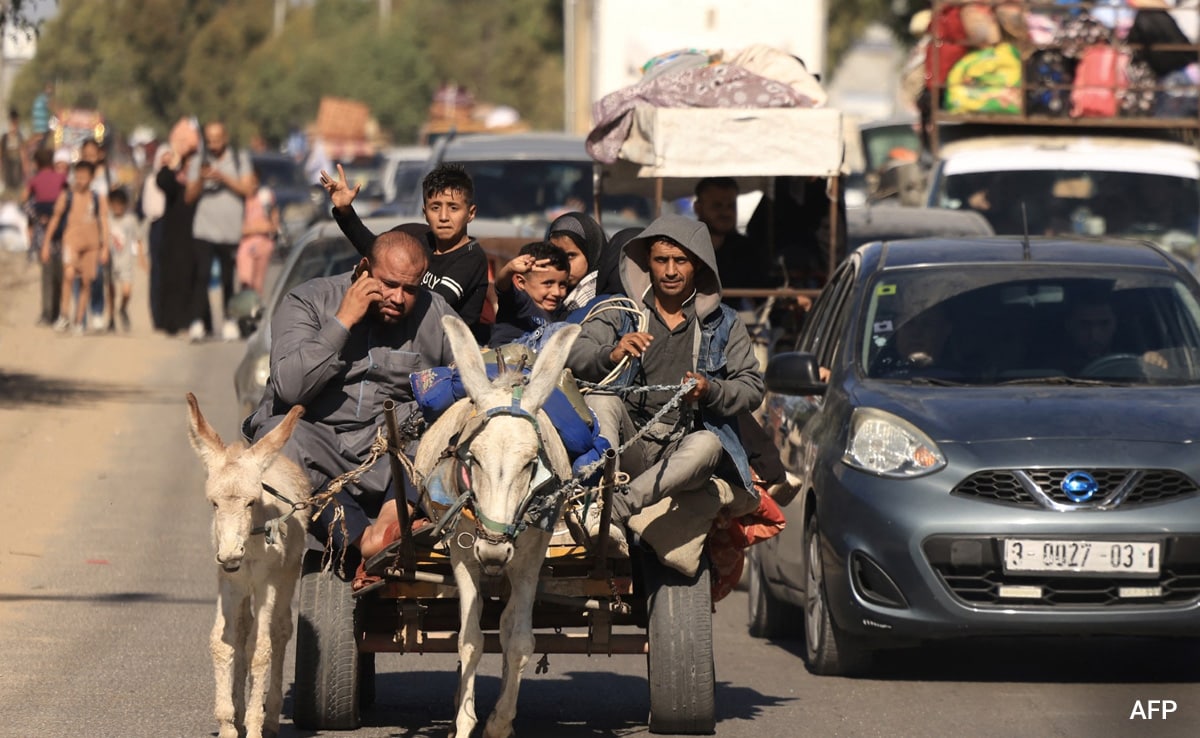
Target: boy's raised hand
340, 192
526, 263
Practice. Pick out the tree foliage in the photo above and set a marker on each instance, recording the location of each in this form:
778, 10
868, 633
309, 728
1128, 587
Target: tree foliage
849, 18
151, 61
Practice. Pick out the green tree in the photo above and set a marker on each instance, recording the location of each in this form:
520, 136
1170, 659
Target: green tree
124, 55
216, 58
849, 18
355, 58
505, 53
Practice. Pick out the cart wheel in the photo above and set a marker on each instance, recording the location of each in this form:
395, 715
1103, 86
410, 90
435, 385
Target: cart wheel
680, 652
327, 665
769, 616
366, 680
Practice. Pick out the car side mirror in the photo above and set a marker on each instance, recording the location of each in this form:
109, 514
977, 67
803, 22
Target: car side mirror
794, 373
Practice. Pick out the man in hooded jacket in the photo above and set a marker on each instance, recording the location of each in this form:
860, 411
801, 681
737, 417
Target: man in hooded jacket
670, 271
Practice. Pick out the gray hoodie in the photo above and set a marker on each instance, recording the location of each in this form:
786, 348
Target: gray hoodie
735, 385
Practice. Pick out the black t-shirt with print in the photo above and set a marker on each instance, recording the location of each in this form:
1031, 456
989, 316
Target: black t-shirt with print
460, 276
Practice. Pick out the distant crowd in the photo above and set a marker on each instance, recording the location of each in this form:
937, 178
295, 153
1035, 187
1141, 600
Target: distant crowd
200, 212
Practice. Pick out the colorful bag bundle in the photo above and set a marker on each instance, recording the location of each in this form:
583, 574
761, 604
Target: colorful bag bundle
986, 81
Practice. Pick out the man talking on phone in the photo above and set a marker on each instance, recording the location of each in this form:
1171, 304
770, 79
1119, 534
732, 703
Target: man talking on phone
341, 346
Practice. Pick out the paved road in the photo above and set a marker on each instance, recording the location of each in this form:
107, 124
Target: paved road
105, 634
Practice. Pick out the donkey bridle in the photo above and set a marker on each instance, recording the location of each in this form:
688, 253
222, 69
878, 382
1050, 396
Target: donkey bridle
487, 529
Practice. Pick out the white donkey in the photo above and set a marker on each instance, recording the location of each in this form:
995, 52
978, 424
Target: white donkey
259, 546
507, 446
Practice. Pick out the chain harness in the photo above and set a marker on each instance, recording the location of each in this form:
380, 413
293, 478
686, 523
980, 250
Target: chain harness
537, 508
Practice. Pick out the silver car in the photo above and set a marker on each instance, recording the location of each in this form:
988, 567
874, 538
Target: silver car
990, 437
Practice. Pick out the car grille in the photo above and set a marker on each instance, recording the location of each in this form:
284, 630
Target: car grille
1146, 486
976, 578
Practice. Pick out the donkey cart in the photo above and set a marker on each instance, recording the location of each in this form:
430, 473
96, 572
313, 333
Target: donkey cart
581, 596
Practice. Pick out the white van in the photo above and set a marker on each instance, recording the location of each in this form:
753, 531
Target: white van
1123, 186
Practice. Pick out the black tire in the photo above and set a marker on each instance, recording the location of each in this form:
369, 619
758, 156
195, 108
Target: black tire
769, 617
679, 660
828, 650
366, 680
327, 667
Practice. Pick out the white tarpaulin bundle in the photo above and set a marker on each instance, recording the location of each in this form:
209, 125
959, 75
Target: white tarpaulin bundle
682, 145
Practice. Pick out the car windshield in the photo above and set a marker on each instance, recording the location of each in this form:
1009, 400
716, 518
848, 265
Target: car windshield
883, 144
1157, 207
538, 191
280, 173
318, 259
365, 173
407, 180
990, 324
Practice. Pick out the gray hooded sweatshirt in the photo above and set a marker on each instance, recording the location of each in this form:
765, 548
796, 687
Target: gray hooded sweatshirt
735, 383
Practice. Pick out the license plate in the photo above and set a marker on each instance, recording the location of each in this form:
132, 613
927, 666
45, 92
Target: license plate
1082, 557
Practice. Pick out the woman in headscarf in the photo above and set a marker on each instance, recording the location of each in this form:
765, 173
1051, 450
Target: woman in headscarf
608, 277
583, 239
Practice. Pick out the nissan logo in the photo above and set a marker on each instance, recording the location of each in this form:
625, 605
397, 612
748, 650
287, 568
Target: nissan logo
1079, 486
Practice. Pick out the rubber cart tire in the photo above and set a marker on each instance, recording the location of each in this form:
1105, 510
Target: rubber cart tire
327, 667
679, 659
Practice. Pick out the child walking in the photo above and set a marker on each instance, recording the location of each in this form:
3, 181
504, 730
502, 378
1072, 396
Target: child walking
80, 221
127, 248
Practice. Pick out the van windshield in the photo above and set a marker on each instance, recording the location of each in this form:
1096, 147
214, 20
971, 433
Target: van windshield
1157, 207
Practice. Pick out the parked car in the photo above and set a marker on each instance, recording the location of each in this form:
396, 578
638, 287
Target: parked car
403, 168
892, 222
525, 180
322, 251
300, 203
365, 172
990, 437
883, 161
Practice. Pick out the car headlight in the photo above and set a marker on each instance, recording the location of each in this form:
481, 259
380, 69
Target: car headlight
881, 443
262, 370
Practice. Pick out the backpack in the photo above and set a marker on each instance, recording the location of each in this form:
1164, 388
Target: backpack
62, 222
1099, 77
1048, 87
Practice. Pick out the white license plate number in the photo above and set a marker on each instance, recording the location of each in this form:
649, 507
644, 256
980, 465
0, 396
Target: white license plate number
1081, 557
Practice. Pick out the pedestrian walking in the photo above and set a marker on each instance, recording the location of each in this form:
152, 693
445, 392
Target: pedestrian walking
80, 221
42, 192
13, 163
259, 228
126, 250
218, 184
152, 206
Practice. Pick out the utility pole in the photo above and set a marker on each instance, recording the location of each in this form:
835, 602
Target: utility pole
5, 87
280, 15
385, 12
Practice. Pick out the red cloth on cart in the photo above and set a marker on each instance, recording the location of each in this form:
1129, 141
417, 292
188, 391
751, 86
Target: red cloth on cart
729, 537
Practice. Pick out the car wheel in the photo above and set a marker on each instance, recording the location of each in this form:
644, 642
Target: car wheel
828, 650
769, 617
